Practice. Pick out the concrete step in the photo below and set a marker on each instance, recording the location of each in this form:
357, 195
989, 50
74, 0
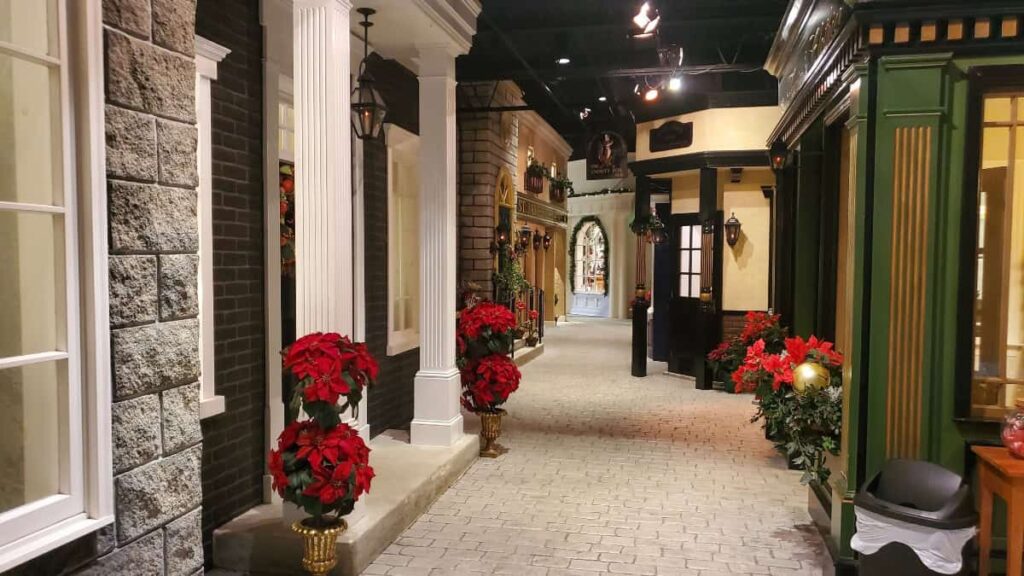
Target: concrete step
409, 479
525, 354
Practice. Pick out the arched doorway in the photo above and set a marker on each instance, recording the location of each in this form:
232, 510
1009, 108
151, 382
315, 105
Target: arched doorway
589, 249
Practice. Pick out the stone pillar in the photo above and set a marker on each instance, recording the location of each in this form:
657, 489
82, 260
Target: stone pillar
437, 419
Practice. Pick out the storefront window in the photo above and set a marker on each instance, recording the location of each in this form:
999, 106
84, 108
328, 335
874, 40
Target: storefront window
998, 363
590, 260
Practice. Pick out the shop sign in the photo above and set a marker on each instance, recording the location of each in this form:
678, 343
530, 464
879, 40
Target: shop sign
607, 157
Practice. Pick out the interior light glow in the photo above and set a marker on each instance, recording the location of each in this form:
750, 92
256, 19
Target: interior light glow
651, 94
675, 84
647, 19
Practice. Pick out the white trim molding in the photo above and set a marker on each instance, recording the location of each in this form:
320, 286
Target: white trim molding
208, 56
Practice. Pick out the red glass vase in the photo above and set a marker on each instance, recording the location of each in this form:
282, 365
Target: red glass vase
1013, 431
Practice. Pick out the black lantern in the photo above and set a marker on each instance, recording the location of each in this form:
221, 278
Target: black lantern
537, 239
658, 236
777, 154
525, 235
547, 241
368, 109
500, 239
732, 230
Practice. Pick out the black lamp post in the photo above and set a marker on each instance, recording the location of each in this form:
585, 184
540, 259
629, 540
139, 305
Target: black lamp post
732, 230
368, 108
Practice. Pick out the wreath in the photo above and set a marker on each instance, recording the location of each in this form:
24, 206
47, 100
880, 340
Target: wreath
572, 251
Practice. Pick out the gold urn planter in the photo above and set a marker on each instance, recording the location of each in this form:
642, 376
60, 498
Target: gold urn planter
490, 430
319, 545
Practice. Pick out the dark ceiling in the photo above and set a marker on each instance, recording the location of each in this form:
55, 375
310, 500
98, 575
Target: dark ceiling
724, 44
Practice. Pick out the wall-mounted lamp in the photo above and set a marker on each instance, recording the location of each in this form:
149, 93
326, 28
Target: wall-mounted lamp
537, 240
777, 154
547, 241
732, 230
659, 236
525, 234
500, 239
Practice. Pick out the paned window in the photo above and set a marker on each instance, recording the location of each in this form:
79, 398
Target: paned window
689, 261
49, 405
998, 362
403, 240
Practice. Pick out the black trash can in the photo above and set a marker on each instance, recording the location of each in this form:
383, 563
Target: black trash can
914, 519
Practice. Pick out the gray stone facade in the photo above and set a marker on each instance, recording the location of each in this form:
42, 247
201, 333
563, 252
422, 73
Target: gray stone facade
484, 151
152, 176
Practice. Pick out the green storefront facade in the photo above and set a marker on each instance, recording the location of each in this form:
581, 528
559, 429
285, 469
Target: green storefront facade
877, 212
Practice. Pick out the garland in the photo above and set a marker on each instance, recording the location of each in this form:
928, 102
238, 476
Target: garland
602, 192
572, 251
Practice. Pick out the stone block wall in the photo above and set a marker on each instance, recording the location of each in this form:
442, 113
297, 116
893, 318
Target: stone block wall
234, 448
483, 149
154, 307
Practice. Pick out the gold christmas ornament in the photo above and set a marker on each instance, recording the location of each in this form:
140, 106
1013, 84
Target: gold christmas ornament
809, 376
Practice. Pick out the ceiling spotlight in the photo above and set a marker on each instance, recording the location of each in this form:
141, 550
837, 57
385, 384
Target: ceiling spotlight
651, 94
647, 19
584, 114
563, 61
636, 89
675, 83
602, 99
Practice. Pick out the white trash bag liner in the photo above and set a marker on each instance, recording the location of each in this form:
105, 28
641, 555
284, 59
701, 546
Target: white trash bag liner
939, 550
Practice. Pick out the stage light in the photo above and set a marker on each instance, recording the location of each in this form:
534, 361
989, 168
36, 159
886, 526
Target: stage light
602, 99
675, 84
563, 61
651, 94
647, 19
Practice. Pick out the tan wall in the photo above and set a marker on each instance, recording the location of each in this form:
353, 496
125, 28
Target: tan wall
746, 265
716, 129
545, 149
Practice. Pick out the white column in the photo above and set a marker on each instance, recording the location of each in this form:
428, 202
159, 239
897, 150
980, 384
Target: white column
323, 182
437, 417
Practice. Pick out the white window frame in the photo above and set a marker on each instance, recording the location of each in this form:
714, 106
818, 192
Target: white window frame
208, 55
399, 341
86, 503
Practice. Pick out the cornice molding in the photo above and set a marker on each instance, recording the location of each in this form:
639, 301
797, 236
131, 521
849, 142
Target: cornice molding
533, 121
211, 50
456, 17
717, 159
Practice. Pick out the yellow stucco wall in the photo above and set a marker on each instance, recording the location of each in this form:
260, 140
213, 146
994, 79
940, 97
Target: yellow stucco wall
745, 266
716, 129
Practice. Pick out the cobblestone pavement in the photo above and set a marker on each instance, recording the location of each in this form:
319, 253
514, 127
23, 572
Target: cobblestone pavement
610, 474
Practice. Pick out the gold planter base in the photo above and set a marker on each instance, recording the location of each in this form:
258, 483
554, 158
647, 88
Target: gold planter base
490, 430
319, 546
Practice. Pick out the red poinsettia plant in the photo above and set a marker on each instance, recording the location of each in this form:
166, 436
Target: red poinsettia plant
730, 354
805, 423
321, 464
484, 338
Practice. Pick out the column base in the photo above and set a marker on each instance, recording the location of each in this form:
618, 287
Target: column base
438, 418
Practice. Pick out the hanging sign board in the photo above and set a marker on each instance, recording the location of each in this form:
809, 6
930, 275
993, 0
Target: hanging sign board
607, 157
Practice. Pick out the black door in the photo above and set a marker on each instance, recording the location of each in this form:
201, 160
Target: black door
695, 323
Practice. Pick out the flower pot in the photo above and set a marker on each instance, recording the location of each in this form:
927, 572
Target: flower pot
319, 545
490, 430
531, 341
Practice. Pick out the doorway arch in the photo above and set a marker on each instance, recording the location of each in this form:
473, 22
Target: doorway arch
589, 249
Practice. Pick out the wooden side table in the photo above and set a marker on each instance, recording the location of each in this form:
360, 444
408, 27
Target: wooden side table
999, 472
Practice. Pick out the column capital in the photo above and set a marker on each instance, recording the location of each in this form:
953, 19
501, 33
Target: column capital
436, 61
345, 5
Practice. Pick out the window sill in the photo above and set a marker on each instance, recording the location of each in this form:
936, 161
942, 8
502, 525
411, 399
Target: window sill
39, 543
400, 343
209, 407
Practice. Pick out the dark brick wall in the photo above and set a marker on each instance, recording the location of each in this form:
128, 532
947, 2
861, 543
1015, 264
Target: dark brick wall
233, 442
732, 323
391, 401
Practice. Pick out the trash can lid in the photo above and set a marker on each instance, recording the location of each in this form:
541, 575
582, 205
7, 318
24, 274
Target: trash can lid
921, 493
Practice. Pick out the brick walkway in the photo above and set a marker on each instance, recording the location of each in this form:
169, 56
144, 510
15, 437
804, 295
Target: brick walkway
610, 474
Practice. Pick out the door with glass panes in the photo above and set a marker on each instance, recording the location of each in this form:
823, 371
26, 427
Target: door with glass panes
694, 320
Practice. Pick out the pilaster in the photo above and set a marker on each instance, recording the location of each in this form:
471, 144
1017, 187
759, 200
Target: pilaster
437, 419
